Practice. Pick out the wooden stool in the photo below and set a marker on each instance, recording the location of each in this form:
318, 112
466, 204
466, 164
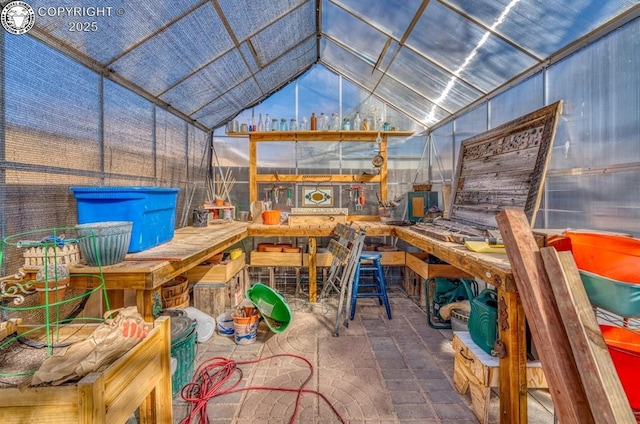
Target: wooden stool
476, 370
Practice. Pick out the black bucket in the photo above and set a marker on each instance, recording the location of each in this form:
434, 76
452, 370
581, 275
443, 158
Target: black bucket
200, 217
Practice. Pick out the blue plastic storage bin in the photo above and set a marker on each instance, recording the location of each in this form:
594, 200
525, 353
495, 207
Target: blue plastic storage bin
151, 209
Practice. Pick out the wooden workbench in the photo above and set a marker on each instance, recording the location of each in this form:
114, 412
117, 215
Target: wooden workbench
146, 271
495, 269
373, 228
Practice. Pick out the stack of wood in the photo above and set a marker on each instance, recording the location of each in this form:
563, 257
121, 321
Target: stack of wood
583, 382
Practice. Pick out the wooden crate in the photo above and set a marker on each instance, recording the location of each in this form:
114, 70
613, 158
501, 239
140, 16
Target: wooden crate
216, 273
478, 372
322, 259
214, 298
140, 378
417, 265
275, 259
393, 258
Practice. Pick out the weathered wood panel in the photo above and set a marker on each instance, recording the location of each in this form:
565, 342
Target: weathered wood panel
504, 168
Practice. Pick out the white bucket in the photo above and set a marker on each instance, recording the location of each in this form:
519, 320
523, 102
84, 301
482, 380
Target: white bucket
205, 324
245, 333
225, 324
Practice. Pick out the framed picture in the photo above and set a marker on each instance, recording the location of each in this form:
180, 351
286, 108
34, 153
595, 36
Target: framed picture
317, 196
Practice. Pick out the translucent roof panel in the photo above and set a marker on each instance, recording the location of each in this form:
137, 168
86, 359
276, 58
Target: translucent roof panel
206, 84
391, 17
353, 34
348, 65
247, 17
465, 49
120, 24
413, 104
292, 64
227, 106
183, 48
433, 82
210, 60
542, 27
284, 35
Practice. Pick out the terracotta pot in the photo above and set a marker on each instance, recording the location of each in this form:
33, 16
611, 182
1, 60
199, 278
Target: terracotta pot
273, 248
55, 291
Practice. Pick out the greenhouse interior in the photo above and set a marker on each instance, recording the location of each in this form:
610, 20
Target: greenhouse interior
389, 211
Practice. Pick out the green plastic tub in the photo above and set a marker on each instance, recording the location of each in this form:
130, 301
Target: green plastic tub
272, 306
615, 296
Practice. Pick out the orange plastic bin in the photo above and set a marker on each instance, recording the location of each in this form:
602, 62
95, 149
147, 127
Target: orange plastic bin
624, 347
608, 255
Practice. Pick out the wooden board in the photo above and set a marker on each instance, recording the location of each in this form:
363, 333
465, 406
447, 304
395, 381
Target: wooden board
548, 334
608, 402
217, 273
188, 242
300, 220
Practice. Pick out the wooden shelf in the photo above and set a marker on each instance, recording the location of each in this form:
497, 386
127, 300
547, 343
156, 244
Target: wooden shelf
319, 135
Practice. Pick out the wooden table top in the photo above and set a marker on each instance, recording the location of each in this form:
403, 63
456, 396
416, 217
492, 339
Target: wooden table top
153, 267
373, 228
494, 268
191, 246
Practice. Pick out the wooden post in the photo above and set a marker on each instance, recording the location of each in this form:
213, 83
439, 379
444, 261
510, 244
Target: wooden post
513, 366
560, 368
313, 276
609, 403
384, 193
253, 170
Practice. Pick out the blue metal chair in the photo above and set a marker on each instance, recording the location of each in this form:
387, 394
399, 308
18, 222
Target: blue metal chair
369, 266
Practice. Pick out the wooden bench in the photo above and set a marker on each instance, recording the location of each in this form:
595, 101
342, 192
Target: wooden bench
477, 371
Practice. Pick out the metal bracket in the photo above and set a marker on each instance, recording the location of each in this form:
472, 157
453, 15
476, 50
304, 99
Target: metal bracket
503, 315
499, 349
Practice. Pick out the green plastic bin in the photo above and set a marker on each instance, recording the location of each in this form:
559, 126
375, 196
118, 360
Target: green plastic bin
183, 348
272, 306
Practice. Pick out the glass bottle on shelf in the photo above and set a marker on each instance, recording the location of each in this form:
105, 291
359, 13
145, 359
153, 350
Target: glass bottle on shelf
313, 122
303, 124
346, 125
267, 122
293, 126
260, 123
322, 122
274, 124
283, 125
357, 122
335, 122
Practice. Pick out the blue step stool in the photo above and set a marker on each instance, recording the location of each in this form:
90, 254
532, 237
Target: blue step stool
375, 274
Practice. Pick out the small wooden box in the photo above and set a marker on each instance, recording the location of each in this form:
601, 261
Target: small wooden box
214, 298
477, 371
275, 259
322, 259
217, 273
393, 258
